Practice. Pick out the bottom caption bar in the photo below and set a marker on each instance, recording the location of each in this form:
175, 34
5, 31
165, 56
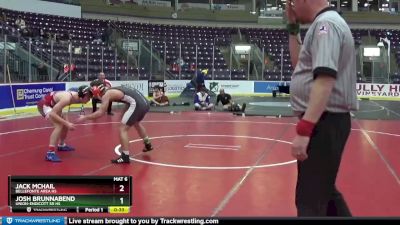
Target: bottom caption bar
25, 220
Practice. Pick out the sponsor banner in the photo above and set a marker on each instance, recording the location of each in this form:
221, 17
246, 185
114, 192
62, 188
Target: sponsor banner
193, 5
25, 220
5, 100
141, 85
266, 86
26, 94
212, 7
153, 3
73, 86
229, 7
175, 86
363, 89
378, 90
230, 87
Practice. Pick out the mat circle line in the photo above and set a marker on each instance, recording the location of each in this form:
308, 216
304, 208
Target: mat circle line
116, 149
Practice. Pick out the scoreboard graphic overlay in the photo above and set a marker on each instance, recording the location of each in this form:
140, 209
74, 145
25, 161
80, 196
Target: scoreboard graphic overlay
82, 194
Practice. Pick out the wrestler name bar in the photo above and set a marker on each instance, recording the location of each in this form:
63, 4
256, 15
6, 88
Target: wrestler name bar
51, 193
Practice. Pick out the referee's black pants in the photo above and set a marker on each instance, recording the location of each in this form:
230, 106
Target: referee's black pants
94, 105
316, 192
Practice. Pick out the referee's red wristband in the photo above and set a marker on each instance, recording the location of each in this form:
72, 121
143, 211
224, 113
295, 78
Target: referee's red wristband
305, 128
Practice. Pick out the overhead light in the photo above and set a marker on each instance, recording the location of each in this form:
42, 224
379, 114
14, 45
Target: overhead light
372, 52
242, 49
380, 44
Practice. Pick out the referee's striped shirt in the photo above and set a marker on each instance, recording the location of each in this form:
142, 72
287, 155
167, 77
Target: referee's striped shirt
328, 49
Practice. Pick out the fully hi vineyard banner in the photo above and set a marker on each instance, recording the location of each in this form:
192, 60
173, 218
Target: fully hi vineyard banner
378, 90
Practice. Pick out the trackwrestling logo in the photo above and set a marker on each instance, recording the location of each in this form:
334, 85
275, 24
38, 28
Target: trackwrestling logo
33, 220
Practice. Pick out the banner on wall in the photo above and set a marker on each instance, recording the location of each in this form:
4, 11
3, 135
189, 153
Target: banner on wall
30, 94
27, 94
229, 7
193, 5
212, 7
378, 90
141, 85
174, 87
231, 87
266, 87
363, 89
5, 100
153, 3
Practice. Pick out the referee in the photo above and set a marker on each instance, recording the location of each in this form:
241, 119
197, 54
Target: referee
323, 92
107, 83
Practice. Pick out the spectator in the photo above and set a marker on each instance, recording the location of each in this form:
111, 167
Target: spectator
182, 64
1, 74
98, 37
20, 23
65, 72
159, 98
42, 34
227, 102
107, 34
70, 36
41, 71
202, 101
3, 17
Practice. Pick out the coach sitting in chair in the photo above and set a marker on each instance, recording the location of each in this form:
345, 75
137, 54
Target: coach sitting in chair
107, 83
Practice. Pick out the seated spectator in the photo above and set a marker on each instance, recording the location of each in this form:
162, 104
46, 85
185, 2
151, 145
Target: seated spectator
227, 103
20, 23
3, 18
42, 34
202, 101
41, 72
98, 37
159, 98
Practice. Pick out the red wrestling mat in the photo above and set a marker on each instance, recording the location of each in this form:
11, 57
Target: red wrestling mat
209, 164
